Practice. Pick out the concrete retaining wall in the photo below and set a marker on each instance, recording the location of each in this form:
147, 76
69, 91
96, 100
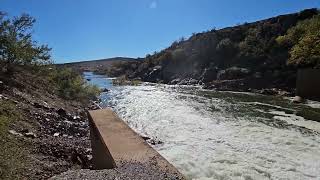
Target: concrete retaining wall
116, 145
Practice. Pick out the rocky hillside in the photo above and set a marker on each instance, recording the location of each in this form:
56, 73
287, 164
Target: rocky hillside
242, 58
41, 132
98, 66
43, 122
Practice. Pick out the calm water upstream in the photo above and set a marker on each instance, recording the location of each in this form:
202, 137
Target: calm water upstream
220, 135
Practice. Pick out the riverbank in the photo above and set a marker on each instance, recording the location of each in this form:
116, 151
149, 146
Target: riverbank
42, 134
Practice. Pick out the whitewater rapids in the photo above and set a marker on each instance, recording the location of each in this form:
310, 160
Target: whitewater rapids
221, 135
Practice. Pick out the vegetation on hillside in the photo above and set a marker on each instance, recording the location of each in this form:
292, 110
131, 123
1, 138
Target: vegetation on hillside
19, 52
70, 85
248, 55
33, 92
304, 38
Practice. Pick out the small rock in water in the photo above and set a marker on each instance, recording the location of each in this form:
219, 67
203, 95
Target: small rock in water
105, 90
297, 99
145, 138
155, 142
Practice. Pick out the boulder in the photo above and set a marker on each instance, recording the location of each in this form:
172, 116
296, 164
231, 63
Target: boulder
268, 91
44, 106
297, 99
284, 93
157, 68
209, 74
233, 73
37, 105
62, 112
188, 81
221, 75
175, 81
192, 81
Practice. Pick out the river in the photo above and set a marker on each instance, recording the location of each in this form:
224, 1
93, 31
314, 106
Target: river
220, 135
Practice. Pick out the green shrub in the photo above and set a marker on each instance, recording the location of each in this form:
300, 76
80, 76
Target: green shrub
71, 85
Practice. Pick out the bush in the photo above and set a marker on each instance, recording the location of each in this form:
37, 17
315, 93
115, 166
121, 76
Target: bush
71, 86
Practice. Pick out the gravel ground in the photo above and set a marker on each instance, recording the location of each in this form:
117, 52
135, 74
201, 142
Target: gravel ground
127, 171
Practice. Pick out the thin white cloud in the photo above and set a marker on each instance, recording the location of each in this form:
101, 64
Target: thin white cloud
153, 5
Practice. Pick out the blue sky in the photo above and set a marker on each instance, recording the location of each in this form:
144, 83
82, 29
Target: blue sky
93, 29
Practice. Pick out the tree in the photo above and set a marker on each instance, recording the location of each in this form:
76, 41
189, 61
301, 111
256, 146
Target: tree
304, 41
16, 44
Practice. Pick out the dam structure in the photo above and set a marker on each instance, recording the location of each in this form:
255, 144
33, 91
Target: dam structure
115, 144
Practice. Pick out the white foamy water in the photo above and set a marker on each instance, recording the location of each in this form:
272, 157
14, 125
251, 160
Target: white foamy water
206, 141
296, 120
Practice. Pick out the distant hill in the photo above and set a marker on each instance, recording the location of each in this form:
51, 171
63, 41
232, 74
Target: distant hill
99, 66
242, 57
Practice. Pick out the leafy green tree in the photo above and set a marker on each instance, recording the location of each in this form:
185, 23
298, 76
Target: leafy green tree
304, 41
16, 44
